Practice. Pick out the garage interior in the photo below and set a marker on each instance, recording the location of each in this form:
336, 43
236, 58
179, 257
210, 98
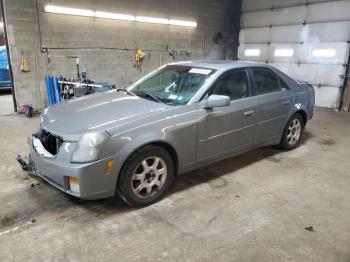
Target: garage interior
264, 205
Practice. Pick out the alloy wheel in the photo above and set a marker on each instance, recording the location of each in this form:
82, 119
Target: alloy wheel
294, 132
149, 177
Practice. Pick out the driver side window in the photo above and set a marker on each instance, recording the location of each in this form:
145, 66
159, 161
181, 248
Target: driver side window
233, 85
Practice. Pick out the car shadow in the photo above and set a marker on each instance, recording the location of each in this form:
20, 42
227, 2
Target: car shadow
191, 179
224, 167
112, 206
230, 165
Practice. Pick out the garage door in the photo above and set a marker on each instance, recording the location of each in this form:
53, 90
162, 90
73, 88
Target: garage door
308, 40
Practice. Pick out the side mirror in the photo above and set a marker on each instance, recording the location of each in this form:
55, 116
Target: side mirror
217, 101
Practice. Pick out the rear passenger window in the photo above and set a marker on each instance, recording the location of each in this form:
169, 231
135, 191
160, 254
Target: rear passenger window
266, 81
233, 85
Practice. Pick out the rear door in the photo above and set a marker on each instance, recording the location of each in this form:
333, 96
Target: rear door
226, 130
275, 100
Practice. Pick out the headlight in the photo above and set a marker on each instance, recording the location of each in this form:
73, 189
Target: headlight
89, 147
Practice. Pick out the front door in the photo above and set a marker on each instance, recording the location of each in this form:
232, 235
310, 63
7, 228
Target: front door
225, 130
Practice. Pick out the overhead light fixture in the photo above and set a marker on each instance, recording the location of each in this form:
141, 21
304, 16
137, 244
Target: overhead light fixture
68, 11
153, 20
1, 24
252, 52
327, 53
182, 23
116, 16
284, 52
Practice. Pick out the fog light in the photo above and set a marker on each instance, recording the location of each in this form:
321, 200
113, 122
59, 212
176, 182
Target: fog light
74, 184
108, 167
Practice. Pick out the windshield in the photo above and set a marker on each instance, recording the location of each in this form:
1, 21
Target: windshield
173, 84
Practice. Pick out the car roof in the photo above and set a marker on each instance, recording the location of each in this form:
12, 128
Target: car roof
219, 64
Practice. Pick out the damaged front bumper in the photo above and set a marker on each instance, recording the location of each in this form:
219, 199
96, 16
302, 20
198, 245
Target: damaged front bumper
85, 180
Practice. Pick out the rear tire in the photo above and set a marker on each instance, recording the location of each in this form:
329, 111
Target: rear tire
146, 176
293, 132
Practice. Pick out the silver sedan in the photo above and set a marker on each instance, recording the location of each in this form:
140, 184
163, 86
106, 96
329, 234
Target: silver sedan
131, 142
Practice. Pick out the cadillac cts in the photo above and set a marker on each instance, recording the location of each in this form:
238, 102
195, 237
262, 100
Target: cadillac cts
131, 142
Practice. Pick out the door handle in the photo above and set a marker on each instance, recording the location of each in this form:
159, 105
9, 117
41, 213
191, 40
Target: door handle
249, 113
286, 102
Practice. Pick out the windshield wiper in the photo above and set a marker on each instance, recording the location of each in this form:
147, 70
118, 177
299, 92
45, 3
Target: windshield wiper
125, 90
146, 94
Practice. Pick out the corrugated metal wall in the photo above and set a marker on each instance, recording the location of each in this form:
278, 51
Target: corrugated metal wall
307, 39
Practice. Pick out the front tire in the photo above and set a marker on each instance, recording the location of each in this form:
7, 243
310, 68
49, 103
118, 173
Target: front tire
292, 132
146, 176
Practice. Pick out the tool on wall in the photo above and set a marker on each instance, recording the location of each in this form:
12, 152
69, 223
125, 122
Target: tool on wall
172, 53
139, 57
45, 50
25, 67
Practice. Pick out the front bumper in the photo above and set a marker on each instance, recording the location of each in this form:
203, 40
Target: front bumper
93, 182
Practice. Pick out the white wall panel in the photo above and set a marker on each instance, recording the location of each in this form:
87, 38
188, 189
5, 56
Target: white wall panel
256, 19
289, 15
326, 32
263, 55
314, 74
275, 59
285, 16
327, 12
253, 5
327, 96
302, 53
311, 33
327, 28
295, 15
286, 34
255, 35
305, 53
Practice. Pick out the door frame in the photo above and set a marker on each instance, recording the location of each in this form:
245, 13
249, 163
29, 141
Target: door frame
4, 21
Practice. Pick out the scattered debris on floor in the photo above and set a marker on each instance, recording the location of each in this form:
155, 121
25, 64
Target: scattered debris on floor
310, 228
36, 184
274, 159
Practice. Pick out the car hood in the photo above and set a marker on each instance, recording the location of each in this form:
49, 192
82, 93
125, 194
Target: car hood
100, 112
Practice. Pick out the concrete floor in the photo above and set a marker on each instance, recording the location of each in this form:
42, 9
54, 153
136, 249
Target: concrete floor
253, 207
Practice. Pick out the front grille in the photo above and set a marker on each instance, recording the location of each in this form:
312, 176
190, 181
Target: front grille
50, 141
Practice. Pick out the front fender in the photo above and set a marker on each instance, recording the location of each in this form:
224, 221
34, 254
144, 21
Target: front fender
124, 146
178, 132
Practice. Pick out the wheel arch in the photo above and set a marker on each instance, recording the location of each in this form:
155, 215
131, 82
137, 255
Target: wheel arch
168, 147
302, 113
